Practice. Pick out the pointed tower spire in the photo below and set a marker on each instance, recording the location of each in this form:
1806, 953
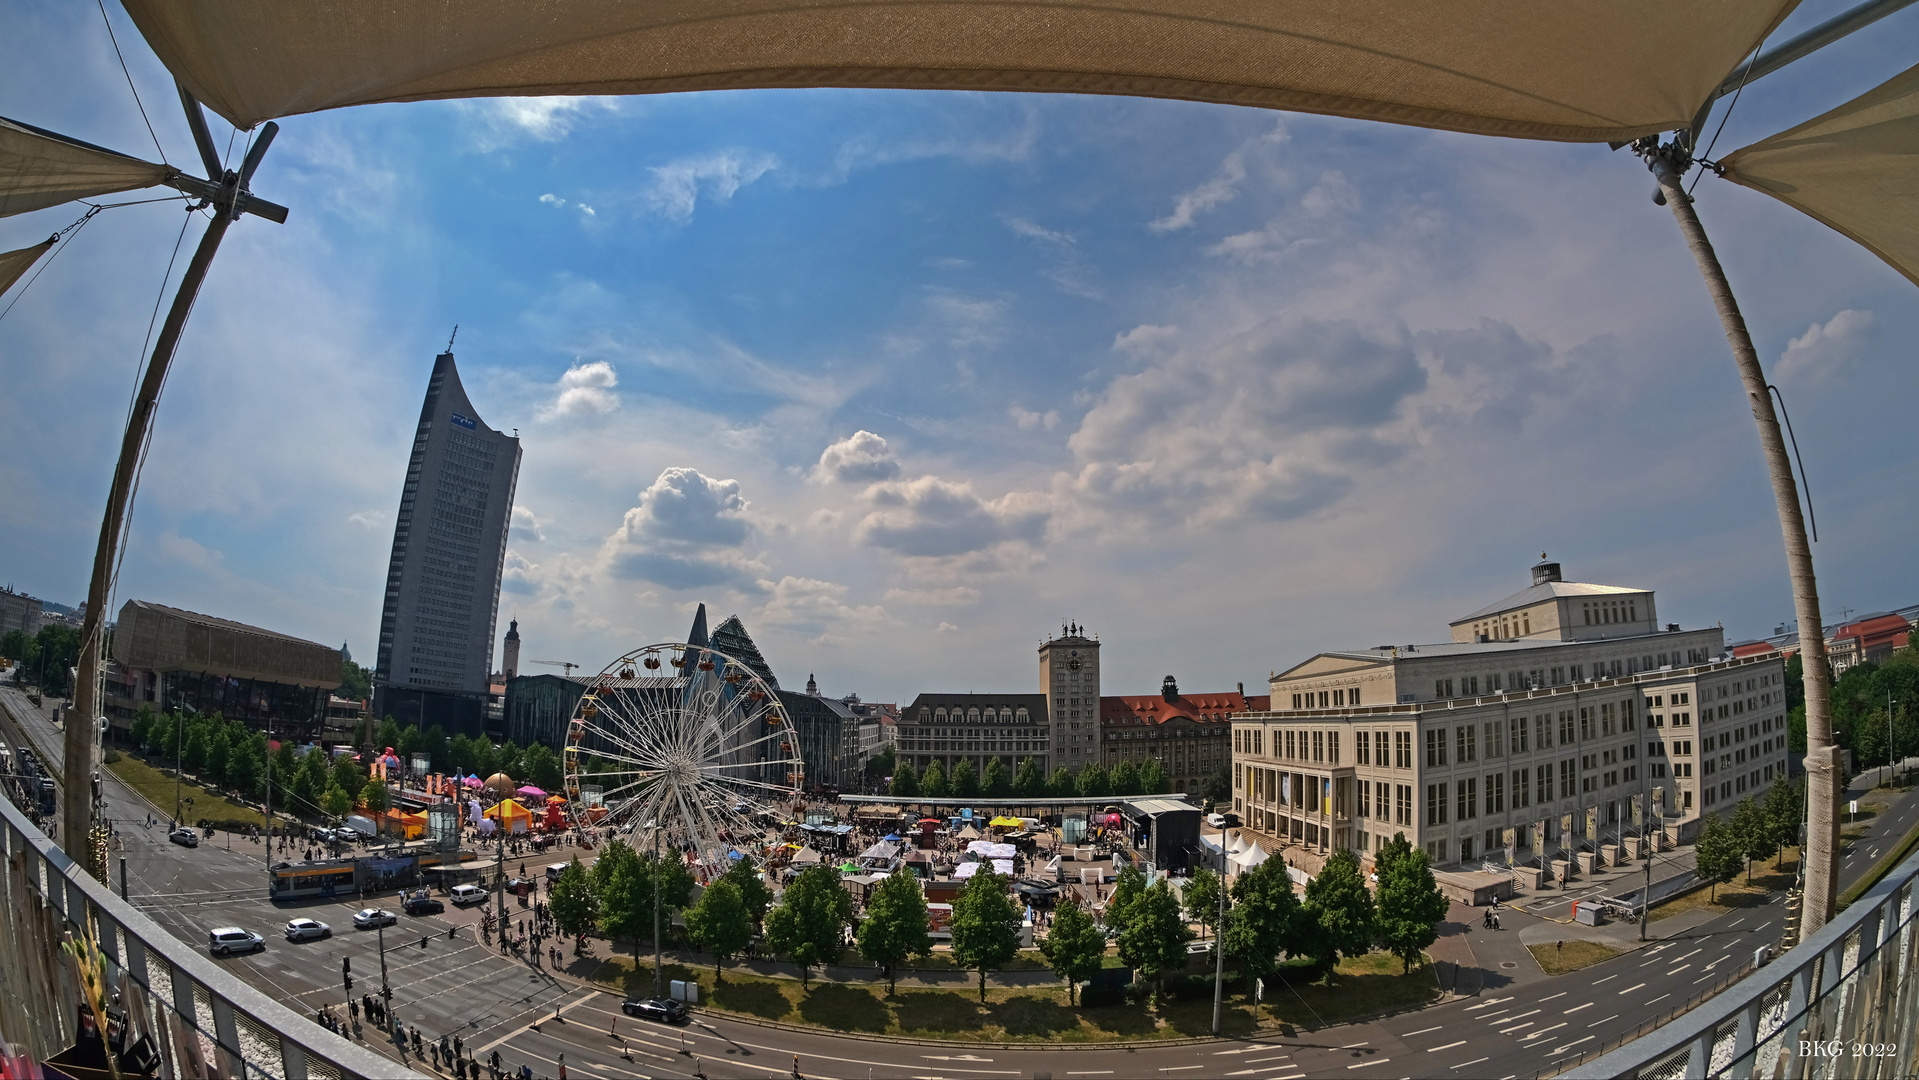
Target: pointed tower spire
697, 636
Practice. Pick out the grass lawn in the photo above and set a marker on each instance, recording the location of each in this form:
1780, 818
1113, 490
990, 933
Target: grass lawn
157, 787
1571, 955
1732, 895
1034, 1014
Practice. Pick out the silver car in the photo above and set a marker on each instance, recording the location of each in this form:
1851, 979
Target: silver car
227, 940
307, 929
373, 918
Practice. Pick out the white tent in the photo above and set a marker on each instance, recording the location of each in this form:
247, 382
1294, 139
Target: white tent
1251, 857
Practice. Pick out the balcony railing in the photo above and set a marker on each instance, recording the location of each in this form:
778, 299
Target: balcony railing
201, 1019
1842, 1004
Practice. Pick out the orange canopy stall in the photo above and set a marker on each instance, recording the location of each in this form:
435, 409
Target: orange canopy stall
512, 816
406, 825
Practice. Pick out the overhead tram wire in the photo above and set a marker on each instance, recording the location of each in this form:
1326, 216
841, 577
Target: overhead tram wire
136, 92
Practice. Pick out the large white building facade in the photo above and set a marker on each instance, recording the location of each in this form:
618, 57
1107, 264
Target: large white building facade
1559, 719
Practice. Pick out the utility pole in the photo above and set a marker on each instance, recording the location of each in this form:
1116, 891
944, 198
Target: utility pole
658, 954
1219, 943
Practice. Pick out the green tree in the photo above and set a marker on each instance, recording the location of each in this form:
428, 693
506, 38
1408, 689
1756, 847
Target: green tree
194, 757
1202, 899
752, 888
1718, 853
625, 892
906, 781
1783, 810
1062, 785
1093, 781
433, 744
1154, 936
998, 781
219, 750
964, 783
335, 802
810, 923
356, 682
1338, 912
1075, 946
985, 927
933, 782
411, 737
375, 797
1218, 786
285, 766
246, 769
460, 754
1153, 778
572, 901
542, 768
1261, 925
896, 927
160, 735
720, 924
1754, 831
1127, 885
882, 763
1126, 780
142, 722
387, 734
349, 775
506, 759
1029, 782
1409, 903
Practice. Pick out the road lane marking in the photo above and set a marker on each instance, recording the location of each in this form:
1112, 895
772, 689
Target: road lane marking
1092, 1072
1179, 1068
1521, 1016
1474, 1061
1562, 1049
1576, 1008
1352, 1046
1517, 1027
1702, 978
1543, 1031
1486, 1004
1735, 922
1608, 978
1630, 989
1689, 955
1422, 1031
1367, 1064
960, 1057
1677, 970
1254, 1072
1275, 1057
1596, 1023
1448, 1046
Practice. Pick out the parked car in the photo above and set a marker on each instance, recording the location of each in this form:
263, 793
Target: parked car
373, 918
184, 837
307, 929
663, 1010
427, 905
227, 940
468, 894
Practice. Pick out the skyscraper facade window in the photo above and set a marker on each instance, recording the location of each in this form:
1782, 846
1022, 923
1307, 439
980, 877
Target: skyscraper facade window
449, 547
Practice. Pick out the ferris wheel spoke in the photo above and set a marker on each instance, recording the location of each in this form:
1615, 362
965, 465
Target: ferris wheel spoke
741, 781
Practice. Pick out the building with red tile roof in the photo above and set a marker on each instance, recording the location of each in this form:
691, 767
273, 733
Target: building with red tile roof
1869, 638
1186, 733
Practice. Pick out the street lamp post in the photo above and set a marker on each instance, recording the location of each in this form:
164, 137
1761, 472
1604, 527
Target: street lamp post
658, 954
1219, 944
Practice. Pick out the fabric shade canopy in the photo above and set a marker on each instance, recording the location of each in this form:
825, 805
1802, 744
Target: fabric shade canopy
1856, 168
1576, 71
1006, 823
39, 169
15, 263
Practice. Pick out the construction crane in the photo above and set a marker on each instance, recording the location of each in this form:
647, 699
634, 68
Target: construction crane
566, 665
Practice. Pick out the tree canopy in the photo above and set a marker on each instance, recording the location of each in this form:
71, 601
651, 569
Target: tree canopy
1029, 782
1409, 903
906, 781
810, 922
1074, 945
1153, 778
1202, 899
571, 900
720, 923
1719, 852
985, 926
1153, 938
1261, 926
896, 927
1338, 913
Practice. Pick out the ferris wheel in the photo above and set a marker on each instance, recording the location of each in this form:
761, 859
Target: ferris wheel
688, 740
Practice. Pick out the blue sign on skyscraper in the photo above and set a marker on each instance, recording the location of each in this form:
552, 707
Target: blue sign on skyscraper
465, 422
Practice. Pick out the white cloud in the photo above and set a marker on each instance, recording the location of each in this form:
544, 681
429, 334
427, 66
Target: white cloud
1028, 420
1826, 348
936, 518
678, 185
1070, 272
955, 594
1322, 218
519, 575
551, 199
1145, 339
812, 606
526, 523
586, 389
506, 121
368, 519
860, 458
686, 532
1222, 187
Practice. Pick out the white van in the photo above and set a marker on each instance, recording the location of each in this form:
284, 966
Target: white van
468, 894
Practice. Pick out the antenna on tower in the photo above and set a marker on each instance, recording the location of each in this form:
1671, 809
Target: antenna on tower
450, 337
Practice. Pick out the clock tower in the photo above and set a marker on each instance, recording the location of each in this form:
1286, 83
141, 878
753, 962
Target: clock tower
1069, 676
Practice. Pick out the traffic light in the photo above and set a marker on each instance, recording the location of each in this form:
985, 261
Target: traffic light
346, 965
348, 980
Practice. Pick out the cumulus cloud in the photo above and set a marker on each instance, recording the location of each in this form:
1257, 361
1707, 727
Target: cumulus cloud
524, 523
519, 575
1028, 420
1321, 217
505, 121
817, 607
1270, 424
955, 594
686, 532
678, 185
1498, 375
932, 517
1144, 339
1826, 348
368, 519
860, 458
585, 390
1221, 188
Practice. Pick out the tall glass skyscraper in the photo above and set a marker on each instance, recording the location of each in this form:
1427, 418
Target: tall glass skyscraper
449, 547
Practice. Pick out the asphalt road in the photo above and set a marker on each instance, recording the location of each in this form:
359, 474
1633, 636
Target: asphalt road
1522, 1023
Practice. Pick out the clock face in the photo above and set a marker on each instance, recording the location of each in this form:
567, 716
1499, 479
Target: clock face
1072, 665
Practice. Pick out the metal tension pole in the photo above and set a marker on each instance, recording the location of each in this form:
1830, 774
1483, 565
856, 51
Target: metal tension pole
81, 748
1822, 756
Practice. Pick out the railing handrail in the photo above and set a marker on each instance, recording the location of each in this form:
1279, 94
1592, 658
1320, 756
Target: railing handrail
76, 895
1790, 965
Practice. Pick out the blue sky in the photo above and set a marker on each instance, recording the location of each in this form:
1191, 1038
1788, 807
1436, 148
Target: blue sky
907, 379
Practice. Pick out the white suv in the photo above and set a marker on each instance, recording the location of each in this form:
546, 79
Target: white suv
468, 894
227, 940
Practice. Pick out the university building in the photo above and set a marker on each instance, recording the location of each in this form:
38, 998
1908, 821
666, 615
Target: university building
165, 658
1555, 720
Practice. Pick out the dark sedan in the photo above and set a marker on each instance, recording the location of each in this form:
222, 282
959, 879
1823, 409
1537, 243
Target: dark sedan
663, 1010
